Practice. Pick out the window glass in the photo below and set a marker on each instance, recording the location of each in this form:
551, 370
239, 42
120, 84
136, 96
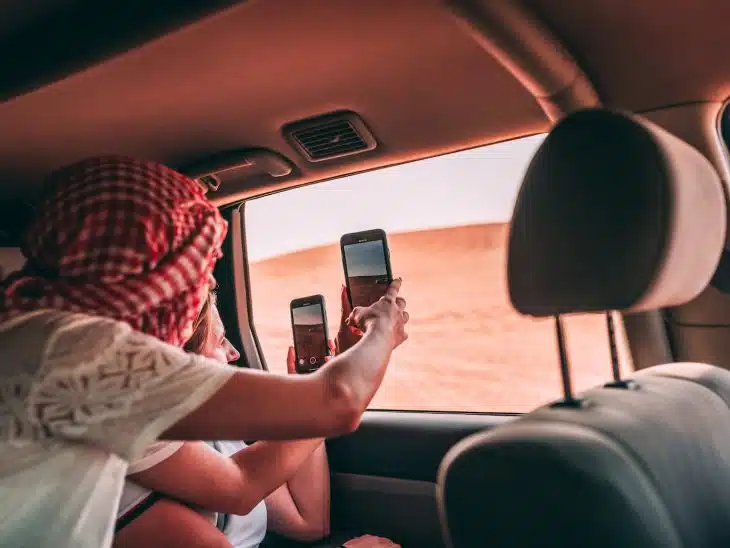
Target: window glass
447, 220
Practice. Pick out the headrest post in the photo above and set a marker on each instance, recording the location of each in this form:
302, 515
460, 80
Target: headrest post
611, 325
615, 361
568, 399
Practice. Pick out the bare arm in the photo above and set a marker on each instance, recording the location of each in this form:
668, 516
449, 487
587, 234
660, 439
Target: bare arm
199, 475
300, 509
169, 523
264, 467
326, 403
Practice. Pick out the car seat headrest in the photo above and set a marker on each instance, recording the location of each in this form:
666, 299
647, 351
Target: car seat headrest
614, 213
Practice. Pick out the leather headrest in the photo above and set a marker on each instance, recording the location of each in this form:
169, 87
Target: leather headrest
614, 213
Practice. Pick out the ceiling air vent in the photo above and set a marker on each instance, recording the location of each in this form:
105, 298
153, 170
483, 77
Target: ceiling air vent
330, 136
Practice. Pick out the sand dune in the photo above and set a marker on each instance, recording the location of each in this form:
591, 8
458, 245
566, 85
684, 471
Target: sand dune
468, 349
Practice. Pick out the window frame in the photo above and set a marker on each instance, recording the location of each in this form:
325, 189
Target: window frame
242, 290
252, 348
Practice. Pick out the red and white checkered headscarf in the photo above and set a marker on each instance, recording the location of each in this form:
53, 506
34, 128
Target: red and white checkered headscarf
121, 238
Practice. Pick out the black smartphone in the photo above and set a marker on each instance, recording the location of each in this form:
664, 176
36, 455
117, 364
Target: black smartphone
366, 261
309, 326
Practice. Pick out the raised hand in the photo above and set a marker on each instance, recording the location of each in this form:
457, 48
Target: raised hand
389, 310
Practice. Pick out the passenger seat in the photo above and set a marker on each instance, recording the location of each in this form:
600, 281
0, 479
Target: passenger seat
614, 214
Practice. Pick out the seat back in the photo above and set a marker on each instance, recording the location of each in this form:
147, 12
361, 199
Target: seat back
609, 217
14, 217
639, 468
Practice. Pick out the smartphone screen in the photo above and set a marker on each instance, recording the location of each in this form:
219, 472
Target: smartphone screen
309, 324
366, 261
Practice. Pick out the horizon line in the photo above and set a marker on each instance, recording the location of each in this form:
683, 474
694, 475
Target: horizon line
395, 232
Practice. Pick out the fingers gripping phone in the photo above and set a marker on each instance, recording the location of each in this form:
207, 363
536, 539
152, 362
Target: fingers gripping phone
366, 261
309, 326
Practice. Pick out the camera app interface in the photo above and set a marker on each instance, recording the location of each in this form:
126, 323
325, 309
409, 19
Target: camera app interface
367, 273
310, 339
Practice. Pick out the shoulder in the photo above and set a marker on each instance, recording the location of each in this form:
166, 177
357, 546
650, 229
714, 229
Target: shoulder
69, 342
97, 380
79, 339
31, 339
47, 325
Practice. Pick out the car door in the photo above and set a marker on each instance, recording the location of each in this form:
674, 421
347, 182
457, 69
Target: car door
383, 476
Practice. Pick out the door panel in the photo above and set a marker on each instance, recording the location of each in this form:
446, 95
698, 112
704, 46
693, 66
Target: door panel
384, 474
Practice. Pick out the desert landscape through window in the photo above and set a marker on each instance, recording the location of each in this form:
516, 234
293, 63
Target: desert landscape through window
447, 220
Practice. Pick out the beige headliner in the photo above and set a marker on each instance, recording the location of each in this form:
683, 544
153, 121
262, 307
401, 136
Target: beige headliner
422, 84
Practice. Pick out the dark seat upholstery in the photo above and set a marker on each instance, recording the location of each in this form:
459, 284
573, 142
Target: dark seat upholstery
634, 468
614, 214
14, 217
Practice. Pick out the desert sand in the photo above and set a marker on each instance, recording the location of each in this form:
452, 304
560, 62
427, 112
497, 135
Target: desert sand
468, 349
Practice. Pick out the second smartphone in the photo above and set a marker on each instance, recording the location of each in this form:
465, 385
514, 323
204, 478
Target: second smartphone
309, 326
366, 261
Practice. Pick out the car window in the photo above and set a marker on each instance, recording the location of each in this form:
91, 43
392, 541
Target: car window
447, 220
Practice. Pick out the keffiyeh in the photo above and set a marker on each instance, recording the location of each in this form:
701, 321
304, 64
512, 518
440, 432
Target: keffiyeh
121, 238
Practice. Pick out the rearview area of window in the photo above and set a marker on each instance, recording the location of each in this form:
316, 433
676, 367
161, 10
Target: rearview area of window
447, 222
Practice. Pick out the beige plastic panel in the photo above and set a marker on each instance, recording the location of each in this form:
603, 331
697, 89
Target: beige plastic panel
702, 344
711, 307
527, 49
696, 124
647, 339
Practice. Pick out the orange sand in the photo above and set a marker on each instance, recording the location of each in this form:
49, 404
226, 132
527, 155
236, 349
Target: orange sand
468, 349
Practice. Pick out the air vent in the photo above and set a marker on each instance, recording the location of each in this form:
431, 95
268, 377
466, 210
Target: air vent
330, 136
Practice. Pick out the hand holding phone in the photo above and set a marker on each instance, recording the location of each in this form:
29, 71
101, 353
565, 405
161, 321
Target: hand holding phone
291, 359
366, 261
347, 335
309, 327
391, 310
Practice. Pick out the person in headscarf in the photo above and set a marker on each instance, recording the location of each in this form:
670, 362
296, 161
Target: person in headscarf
119, 264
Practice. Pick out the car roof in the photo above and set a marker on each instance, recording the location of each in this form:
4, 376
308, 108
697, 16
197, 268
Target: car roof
178, 85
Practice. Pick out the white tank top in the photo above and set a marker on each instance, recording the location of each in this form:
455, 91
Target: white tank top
244, 531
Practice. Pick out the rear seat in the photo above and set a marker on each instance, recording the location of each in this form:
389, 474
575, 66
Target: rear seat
614, 214
11, 259
14, 217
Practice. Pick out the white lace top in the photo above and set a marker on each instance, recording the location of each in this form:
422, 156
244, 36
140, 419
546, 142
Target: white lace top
80, 397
